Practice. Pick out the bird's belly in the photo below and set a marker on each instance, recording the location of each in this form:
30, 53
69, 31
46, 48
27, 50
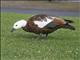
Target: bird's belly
41, 30
38, 30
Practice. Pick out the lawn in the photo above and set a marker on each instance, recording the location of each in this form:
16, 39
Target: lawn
63, 44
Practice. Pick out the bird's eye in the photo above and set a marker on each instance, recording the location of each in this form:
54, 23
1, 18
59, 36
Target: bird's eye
16, 25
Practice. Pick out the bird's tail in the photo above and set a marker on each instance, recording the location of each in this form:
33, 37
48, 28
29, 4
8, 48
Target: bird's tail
69, 21
69, 26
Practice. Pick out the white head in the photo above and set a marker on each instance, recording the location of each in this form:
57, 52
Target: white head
19, 24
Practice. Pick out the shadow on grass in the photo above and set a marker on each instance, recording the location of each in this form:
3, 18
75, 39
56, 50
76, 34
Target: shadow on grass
31, 36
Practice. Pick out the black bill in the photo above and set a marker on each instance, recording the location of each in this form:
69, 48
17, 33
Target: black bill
12, 30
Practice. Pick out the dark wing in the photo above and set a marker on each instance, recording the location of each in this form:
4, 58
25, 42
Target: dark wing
55, 24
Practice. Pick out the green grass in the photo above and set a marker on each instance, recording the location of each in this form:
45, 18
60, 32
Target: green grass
61, 45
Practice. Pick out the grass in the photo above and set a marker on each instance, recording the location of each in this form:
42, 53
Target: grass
61, 45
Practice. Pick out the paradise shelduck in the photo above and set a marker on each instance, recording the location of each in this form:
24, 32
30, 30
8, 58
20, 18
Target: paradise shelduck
43, 24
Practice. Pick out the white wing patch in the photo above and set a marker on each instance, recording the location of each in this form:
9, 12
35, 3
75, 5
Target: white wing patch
43, 23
